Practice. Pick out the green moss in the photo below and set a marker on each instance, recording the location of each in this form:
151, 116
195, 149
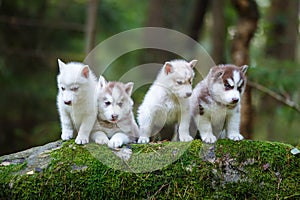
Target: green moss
228, 170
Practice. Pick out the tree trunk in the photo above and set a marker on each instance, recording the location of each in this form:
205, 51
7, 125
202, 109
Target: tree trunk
198, 18
155, 14
163, 14
245, 29
282, 36
219, 31
281, 44
91, 25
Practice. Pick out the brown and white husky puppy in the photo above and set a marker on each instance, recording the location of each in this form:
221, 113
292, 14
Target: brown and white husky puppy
215, 103
115, 124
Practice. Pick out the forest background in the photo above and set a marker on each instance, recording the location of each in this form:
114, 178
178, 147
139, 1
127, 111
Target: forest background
34, 33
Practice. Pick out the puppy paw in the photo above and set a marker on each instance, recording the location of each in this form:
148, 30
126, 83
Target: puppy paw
143, 140
185, 138
235, 137
209, 139
101, 139
115, 142
67, 134
81, 140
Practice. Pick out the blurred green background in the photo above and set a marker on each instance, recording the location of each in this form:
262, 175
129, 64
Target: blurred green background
34, 33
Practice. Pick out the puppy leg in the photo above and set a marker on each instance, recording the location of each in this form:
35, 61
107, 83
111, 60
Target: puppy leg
99, 137
145, 119
183, 129
66, 125
152, 123
233, 127
144, 135
85, 130
117, 140
205, 129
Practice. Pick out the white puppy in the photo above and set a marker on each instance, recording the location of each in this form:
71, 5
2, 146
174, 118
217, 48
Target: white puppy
215, 103
76, 102
168, 100
115, 118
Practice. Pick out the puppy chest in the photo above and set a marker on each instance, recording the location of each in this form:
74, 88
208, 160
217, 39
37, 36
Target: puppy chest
173, 111
218, 116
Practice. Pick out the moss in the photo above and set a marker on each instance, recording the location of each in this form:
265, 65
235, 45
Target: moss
169, 170
264, 167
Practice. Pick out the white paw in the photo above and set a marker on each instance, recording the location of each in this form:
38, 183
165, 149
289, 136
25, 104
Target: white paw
101, 139
209, 139
81, 140
235, 136
143, 140
115, 142
67, 134
185, 138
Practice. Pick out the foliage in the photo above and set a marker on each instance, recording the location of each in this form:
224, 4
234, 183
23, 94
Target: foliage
44, 31
280, 76
35, 33
278, 122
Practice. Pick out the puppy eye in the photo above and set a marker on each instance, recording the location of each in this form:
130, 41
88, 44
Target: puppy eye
107, 103
179, 82
120, 104
75, 89
239, 89
63, 88
227, 86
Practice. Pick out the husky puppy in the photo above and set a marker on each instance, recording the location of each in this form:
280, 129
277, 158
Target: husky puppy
215, 102
75, 100
115, 120
168, 100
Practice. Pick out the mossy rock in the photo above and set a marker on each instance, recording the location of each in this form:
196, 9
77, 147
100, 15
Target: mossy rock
168, 170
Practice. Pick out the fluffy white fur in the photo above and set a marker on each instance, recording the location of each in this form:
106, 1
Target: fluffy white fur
115, 121
215, 103
75, 100
168, 100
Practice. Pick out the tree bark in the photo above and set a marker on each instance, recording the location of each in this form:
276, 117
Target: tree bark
155, 14
283, 33
246, 26
198, 18
91, 25
219, 31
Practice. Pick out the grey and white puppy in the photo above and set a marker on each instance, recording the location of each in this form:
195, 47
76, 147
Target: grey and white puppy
115, 124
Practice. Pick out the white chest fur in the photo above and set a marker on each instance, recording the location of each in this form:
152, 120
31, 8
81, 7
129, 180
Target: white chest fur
219, 116
172, 109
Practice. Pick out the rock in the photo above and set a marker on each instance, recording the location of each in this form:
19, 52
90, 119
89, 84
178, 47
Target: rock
37, 158
186, 170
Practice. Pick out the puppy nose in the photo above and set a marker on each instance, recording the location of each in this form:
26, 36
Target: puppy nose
114, 117
68, 102
188, 94
235, 100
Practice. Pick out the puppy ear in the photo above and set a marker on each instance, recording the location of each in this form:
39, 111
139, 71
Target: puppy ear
61, 64
129, 88
168, 68
102, 82
85, 71
219, 74
193, 63
244, 68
